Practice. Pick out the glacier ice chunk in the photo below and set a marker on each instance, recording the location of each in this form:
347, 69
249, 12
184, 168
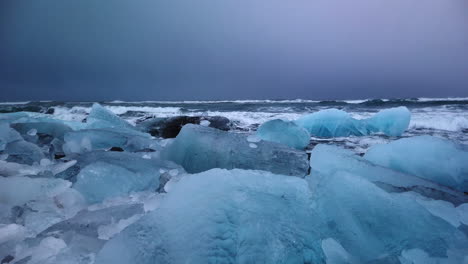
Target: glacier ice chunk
7, 135
198, 148
284, 132
428, 157
87, 140
100, 117
100, 180
392, 122
23, 152
337, 123
328, 159
250, 217
374, 225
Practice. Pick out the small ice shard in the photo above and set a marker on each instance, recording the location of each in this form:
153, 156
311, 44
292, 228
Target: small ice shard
374, 225
428, 157
337, 123
236, 222
204, 123
328, 159
32, 132
199, 148
284, 132
100, 180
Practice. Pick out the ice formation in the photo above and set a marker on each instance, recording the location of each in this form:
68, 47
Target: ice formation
284, 132
198, 148
375, 226
428, 157
329, 159
101, 180
100, 117
337, 123
248, 217
101, 191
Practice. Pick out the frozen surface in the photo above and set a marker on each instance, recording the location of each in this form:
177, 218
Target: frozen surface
101, 180
199, 148
374, 225
250, 217
23, 152
100, 117
432, 158
337, 123
329, 159
284, 132
103, 139
7, 135
37, 203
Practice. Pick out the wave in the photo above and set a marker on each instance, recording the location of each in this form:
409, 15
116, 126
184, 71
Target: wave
368, 101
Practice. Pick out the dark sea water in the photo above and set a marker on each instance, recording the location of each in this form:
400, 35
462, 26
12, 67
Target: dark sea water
443, 117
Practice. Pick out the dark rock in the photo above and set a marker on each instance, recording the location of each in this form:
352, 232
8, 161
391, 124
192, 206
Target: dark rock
118, 149
7, 259
171, 126
50, 111
59, 156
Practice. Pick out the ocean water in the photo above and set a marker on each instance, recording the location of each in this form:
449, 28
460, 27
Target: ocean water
442, 117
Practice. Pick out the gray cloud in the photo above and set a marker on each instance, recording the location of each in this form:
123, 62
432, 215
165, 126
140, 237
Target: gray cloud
206, 49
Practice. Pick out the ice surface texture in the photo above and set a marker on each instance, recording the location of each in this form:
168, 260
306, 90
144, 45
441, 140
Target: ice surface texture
222, 216
284, 132
101, 180
328, 159
431, 158
199, 148
374, 225
337, 123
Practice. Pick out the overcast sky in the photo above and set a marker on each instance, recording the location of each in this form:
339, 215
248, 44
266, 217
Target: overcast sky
232, 49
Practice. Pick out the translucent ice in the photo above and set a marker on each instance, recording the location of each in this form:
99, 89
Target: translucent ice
284, 132
428, 157
250, 217
7, 135
392, 122
101, 180
37, 203
337, 123
134, 162
102, 139
54, 129
23, 152
374, 225
328, 159
199, 148
100, 117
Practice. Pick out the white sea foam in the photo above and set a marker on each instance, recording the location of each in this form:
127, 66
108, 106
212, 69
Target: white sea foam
14, 103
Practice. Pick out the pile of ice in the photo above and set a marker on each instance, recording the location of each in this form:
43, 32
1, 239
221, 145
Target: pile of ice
103, 192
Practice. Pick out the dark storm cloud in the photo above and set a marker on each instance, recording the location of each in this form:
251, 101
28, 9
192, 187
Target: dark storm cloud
206, 49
